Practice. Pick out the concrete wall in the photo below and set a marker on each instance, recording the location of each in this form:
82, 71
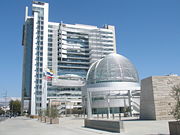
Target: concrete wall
107, 125
147, 107
156, 102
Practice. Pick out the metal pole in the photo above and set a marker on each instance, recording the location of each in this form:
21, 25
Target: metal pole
84, 104
108, 108
130, 106
5, 100
120, 116
89, 109
65, 107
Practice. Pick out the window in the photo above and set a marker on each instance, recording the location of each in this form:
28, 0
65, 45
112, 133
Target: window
49, 49
41, 59
50, 30
49, 54
50, 44
41, 53
50, 35
50, 26
49, 63
49, 59
49, 39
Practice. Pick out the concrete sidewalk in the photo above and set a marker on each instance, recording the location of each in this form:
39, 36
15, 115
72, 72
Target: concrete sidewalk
75, 126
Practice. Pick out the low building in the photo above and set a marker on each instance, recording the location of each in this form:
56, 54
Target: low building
156, 102
112, 86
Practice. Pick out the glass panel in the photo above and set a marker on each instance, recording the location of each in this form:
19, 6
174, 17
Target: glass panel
113, 68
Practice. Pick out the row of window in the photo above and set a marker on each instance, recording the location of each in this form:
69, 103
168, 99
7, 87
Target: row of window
39, 75
73, 60
75, 43
38, 86
39, 92
38, 81
82, 74
91, 31
101, 45
40, 27
40, 32
77, 55
40, 38
40, 64
39, 69
72, 95
73, 65
40, 22
49, 44
50, 31
77, 46
39, 58
50, 26
77, 39
84, 36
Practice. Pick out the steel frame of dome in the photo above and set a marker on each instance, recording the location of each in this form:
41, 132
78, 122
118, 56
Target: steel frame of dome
112, 68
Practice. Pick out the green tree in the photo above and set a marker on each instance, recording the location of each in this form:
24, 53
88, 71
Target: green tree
47, 112
40, 112
1, 111
15, 107
53, 112
175, 93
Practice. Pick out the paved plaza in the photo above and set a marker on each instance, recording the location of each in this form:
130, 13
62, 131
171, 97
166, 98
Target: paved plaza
75, 126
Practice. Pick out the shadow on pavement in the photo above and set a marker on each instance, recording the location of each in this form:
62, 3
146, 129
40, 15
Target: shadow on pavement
157, 134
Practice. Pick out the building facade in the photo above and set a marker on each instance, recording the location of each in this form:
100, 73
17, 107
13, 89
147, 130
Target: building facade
67, 50
156, 102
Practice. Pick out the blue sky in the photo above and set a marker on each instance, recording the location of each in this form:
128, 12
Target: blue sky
147, 32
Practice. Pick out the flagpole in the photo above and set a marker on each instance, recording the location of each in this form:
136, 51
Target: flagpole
48, 75
44, 93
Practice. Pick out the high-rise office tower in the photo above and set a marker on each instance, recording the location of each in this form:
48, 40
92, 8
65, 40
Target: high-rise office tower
67, 50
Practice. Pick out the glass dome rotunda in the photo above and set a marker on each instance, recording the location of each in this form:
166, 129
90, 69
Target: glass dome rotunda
112, 68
